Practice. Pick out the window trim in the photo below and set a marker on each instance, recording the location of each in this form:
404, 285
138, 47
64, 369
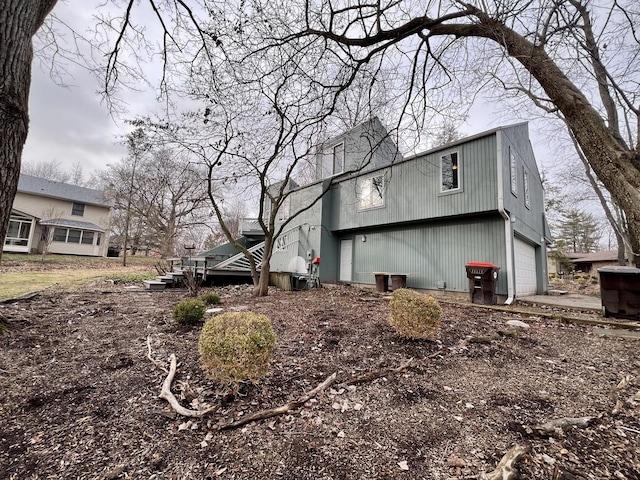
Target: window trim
338, 147
527, 189
513, 172
458, 169
381, 192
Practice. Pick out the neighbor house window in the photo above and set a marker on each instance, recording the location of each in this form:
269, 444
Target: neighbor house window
514, 172
18, 233
60, 235
527, 198
87, 238
371, 192
74, 236
71, 235
450, 172
77, 209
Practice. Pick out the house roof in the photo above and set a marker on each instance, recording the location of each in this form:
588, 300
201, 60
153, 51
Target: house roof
607, 256
575, 255
63, 222
65, 191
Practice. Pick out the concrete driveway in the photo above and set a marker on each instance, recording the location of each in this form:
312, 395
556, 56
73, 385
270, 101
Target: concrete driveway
568, 300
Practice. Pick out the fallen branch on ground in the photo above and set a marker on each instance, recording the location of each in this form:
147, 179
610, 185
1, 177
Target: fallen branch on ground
369, 376
21, 298
173, 401
272, 412
505, 470
552, 426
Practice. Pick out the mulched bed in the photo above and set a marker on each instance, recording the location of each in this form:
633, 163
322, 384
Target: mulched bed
80, 397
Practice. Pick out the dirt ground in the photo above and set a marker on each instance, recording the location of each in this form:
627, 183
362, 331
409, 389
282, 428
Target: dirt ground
80, 395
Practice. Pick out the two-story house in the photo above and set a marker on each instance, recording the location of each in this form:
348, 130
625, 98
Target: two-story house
426, 216
69, 218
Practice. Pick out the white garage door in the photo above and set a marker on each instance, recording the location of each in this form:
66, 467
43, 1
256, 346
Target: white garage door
526, 278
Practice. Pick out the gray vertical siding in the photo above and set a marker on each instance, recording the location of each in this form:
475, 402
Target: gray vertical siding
430, 252
421, 231
307, 224
412, 189
366, 146
528, 222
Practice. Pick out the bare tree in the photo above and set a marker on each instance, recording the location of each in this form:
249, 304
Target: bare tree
47, 229
546, 50
51, 170
158, 192
76, 175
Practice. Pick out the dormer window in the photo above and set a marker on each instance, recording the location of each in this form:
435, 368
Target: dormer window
333, 160
77, 209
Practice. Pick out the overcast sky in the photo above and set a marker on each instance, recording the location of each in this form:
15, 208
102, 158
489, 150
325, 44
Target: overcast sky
72, 125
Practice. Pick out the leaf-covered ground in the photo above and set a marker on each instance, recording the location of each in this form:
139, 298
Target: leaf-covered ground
80, 397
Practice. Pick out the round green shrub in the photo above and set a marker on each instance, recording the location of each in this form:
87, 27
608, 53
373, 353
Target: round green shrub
188, 312
210, 298
414, 315
236, 346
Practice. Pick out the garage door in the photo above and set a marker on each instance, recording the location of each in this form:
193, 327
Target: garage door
526, 278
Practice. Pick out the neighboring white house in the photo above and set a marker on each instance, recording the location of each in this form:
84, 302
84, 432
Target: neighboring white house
74, 220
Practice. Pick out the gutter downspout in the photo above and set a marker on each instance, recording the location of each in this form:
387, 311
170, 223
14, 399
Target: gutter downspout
508, 236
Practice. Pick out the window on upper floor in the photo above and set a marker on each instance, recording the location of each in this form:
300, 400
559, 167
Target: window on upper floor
77, 209
527, 197
371, 192
450, 172
338, 158
513, 167
284, 210
333, 160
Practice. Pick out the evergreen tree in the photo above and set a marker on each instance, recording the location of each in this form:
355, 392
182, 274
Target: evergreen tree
579, 231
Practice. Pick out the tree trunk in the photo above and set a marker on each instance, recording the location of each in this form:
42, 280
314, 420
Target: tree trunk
262, 287
19, 21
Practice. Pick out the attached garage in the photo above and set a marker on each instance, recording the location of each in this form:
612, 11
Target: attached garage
525, 265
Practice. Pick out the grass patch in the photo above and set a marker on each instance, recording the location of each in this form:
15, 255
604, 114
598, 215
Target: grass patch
20, 283
53, 259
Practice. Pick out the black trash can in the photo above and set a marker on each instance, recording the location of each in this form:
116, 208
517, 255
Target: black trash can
620, 291
483, 277
382, 282
398, 280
